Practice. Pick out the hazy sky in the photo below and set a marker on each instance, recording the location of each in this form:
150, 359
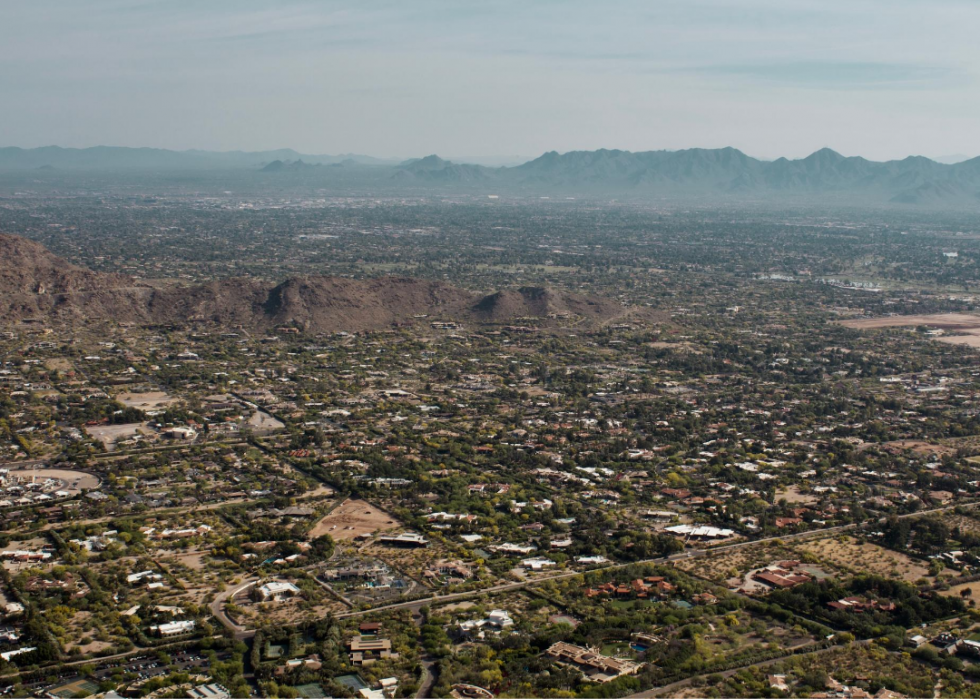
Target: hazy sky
882, 78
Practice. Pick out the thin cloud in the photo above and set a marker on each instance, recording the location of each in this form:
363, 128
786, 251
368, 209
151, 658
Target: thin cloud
838, 75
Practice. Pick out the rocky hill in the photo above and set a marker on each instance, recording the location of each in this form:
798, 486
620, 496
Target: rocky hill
45, 287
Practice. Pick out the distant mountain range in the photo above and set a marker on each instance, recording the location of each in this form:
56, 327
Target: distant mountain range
39, 285
707, 175
112, 157
725, 173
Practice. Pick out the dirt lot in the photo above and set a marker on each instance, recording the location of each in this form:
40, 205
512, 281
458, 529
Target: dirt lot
108, 434
963, 328
263, 421
58, 364
793, 496
152, 400
857, 556
919, 447
195, 560
966, 524
72, 481
955, 590
971, 339
353, 518
952, 321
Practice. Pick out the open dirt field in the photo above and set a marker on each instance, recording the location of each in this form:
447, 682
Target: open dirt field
970, 339
965, 524
152, 400
72, 481
195, 560
58, 364
857, 556
793, 496
951, 321
351, 519
108, 434
956, 590
264, 422
963, 328
919, 447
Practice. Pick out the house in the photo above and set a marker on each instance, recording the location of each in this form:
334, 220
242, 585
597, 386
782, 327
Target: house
19, 651
968, 647
647, 639
514, 548
449, 569
174, 628
783, 522
700, 533
146, 576
858, 605
500, 619
470, 691
209, 691
364, 651
276, 591
778, 682
782, 575
497, 620
917, 641
537, 564
405, 540
595, 666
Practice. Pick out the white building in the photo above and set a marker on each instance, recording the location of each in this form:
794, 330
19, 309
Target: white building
276, 591
175, 628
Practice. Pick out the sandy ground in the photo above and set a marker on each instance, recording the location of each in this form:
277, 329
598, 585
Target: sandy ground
857, 556
920, 447
731, 565
958, 321
194, 560
59, 364
73, 481
966, 524
264, 421
972, 339
351, 519
152, 400
964, 328
793, 495
108, 434
955, 590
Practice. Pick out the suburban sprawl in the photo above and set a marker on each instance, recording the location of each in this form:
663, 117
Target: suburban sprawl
476, 446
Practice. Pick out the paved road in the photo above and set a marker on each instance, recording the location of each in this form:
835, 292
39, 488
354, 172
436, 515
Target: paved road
20, 465
217, 608
428, 678
182, 509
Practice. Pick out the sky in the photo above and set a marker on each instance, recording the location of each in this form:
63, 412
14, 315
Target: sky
495, 78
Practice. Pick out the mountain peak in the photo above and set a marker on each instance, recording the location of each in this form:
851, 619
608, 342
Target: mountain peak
825, 155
